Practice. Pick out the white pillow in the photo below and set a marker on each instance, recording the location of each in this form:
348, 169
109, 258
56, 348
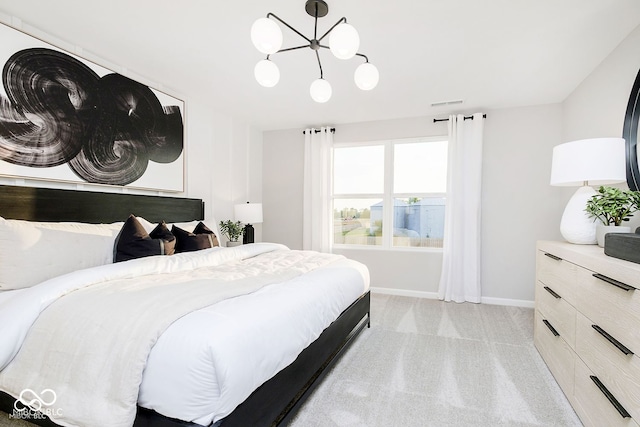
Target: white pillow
32, 252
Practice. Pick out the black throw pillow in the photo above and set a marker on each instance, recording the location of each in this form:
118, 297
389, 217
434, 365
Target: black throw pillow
133, 241
201, 238
201, 228
162, 232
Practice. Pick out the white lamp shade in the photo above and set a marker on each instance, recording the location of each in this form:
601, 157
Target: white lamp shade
248, 213
320, 90
597, 161
266, 36
366, 76
267, 73
344, 41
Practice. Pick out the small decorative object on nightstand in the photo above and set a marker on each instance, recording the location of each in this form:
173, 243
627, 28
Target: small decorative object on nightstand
610, 207
248, 213
232, 231
586, 162
625, 246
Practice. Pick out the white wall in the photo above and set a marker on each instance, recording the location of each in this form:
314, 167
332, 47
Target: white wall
223, 163
282, 174
598, 105
519, 206
232, 164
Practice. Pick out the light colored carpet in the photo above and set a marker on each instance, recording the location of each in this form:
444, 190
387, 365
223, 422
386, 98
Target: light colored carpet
428, 363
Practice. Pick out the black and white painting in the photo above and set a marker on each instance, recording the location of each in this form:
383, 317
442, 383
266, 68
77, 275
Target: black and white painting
64, 118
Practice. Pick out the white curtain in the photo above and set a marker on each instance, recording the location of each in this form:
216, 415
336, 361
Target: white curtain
460, 279
316, 223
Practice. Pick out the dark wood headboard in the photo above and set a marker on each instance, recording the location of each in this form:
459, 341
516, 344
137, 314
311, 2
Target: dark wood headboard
45, 204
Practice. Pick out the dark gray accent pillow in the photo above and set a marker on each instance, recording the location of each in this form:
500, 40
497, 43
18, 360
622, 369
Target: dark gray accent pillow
133, 241
169, 240
201, 238
201, 228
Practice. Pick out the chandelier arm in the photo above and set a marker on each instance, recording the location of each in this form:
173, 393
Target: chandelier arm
357, 54
342, 20
293, 48
269, 15
363, 55
319, 64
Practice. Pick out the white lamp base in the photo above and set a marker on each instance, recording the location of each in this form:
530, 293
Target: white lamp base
576, 226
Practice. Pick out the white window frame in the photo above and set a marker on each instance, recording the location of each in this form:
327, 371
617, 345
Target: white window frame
386, 197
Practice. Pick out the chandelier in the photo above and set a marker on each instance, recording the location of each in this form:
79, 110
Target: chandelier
344, 42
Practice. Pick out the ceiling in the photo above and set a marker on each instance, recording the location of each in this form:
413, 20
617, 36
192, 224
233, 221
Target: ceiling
489, 53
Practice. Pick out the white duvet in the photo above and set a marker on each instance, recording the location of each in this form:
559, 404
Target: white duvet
209, 361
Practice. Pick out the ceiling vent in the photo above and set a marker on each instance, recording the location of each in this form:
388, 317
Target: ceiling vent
442, 103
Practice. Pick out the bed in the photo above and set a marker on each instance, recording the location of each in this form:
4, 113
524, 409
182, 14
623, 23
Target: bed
273, 401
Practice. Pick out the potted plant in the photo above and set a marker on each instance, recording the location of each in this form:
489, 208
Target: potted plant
612, 206
232, 231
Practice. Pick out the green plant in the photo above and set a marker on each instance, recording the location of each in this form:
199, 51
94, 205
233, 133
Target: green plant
231, 230
612, 205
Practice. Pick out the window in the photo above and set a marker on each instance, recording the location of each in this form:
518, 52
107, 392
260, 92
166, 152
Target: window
390, 193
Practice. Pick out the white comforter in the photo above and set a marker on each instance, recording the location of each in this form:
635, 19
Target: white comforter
247, 338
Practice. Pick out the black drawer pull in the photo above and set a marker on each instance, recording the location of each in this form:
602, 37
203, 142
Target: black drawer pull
613, 282
623, 412
552, 256
551, 328
552, 292
612, 340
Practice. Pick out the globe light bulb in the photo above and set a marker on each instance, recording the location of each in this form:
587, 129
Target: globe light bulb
266, 36
344, 41
320, 90
266, 73
366, 76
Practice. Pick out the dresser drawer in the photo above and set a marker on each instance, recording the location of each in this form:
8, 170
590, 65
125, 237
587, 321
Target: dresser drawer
558, 311
591, 403
614, 309
604, 311
620, 371
556, 353
557, 274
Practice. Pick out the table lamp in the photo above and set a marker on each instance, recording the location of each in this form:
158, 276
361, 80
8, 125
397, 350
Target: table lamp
586, 162
248, 213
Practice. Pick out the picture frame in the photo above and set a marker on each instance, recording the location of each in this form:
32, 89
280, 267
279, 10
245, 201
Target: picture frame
64, 118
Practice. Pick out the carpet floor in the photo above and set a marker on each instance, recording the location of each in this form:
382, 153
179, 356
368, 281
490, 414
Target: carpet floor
428, 363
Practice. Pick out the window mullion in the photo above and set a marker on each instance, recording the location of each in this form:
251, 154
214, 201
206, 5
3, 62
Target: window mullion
420, 195
387, 223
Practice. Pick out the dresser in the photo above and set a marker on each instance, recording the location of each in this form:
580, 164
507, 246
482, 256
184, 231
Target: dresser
587, 330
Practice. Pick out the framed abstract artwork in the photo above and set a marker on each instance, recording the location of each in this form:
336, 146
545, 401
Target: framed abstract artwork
63, 118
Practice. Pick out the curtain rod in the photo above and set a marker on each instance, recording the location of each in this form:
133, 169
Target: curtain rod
332, 130
484, 116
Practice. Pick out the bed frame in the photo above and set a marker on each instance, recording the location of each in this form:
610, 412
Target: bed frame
273, 403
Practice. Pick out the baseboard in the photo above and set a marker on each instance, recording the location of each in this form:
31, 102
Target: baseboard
506, 301
404, 293
434, 295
